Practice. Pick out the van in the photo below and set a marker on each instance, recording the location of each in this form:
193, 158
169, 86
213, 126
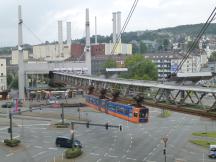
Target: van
67, 142
212, 151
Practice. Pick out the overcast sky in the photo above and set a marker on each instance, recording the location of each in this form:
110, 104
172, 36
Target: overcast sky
41, 16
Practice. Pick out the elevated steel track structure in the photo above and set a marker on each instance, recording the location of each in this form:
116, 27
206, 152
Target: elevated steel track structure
190, 99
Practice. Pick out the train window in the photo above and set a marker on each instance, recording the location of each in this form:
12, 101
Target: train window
126, 111
142, 115
135, 114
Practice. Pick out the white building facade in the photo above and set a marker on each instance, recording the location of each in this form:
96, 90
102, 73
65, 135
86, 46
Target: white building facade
14, 56
51, 52
3, 75
192, 64
120, 48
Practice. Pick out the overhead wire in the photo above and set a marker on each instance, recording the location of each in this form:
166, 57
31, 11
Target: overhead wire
125, 25
195, 42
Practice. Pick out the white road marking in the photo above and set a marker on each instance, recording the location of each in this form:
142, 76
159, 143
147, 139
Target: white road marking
39, 128
123, 156
47, 142
39, 147
4, 128
48, 136
150, 153
112, 156
98, 160
106, 154
155, 149
128, 151
10, 154
30, 125
52, 148
17, 136
131, 159
145, 158
94, 154
40, 153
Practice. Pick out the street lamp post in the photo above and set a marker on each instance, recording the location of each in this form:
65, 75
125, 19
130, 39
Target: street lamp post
62, 114
72, 134
165, 139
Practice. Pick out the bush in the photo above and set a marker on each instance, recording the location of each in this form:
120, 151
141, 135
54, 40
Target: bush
60, 125
73, 152
12, 143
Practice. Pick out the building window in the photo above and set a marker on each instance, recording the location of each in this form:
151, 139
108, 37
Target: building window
1, 74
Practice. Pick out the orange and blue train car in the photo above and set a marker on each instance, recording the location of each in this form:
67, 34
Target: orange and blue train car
123, 111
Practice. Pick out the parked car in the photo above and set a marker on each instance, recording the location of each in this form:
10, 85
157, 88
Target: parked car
67, 142
212, 151
7, 105
52, 100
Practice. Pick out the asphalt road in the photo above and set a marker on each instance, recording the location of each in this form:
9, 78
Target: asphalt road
137, 142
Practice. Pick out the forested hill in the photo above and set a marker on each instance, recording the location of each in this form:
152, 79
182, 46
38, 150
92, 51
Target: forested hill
152, 35
189, 29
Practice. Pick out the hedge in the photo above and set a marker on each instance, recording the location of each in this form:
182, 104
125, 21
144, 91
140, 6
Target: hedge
12, 143
73, 152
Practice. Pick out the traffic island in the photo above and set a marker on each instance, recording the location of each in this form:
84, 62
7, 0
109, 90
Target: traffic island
203, 143
209, 139
165, 114
12, 142
73, 153
61, 125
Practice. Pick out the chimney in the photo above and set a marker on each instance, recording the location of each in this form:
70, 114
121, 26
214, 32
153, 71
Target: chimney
95, 30
114, 27
68, 33
88, 45
60, 39
119, 26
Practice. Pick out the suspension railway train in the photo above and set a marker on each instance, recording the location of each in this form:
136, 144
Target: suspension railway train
120, 110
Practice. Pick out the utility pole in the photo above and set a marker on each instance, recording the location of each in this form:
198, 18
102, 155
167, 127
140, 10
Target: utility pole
20, 56
10, 129
165, 139
72, 134
78, 109
62, 114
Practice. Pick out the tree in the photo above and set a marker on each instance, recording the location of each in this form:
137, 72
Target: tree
212, 57
166, 44
143, 48
135, 48
140, 68
110, 63
190, 43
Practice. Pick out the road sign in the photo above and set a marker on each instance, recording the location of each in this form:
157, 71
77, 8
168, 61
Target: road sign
71, 131
165, 139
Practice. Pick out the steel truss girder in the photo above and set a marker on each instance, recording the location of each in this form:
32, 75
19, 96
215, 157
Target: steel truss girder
169, 95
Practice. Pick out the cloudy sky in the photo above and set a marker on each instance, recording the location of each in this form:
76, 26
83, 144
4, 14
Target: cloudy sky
40, 16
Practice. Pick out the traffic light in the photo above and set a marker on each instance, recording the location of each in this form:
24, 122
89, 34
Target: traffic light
19, 110
87, 124
164, 151
9, 130
106, 126
120, 127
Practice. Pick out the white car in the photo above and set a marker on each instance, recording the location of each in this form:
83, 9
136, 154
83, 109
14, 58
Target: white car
52, 100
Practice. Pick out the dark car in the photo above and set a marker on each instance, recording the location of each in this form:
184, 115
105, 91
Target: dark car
7, 105
67, 142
